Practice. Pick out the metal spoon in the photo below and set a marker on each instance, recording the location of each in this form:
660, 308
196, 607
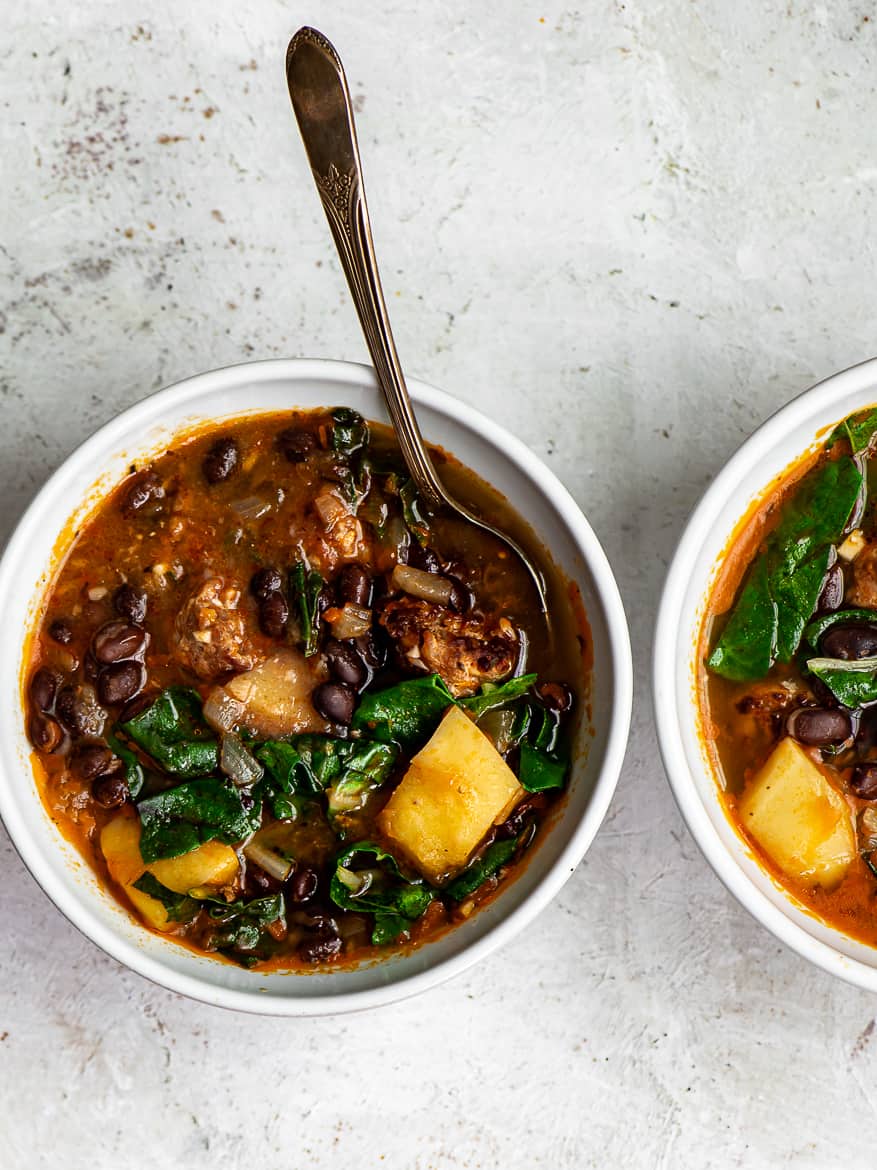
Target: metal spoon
321, 100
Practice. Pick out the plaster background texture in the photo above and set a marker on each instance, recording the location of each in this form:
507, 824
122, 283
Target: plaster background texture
629, 230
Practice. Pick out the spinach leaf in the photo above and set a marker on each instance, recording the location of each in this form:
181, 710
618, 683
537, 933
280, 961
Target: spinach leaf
412, 513
182, 818
492, 695
308, 765
350, 430
539, 771
305, 588
407, 713
784, 584
173, 733
179, 907
859, 429
380, 890
134, 773
814, 631
492, 859
242, 924
853, 682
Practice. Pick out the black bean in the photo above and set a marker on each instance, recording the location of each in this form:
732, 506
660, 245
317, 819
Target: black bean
120, 682
462, 598
136, 707
92, 759
45, 732
221, 461
819, 725
60, 631
43, 688
850, 640
264, 581
111, 791
78, 710
130, 602
273, 615
117, 641
335, 702
345, 664
371, 649
556, 696
258, 881
355, 584
143, 488
295, 444
864, 781
318, 950
422, 557
302, 886
832, 595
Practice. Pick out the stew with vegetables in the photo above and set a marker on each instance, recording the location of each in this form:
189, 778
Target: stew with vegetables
289, 717
789, 679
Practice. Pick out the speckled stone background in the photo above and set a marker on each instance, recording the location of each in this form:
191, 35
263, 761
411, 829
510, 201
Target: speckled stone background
629, 230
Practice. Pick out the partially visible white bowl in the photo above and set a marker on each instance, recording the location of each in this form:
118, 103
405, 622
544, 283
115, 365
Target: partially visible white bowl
773, 447
481, 444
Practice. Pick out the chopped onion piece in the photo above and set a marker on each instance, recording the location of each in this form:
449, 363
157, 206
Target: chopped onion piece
221, 711
357, 882
272, 863
352, 621
251, 508
498, 725
427, 586
237, 763
330, 508
868, 828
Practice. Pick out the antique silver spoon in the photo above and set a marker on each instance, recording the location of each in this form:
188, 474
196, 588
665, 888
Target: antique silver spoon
321, 100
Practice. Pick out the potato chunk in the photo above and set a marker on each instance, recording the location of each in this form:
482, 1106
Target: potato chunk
206, 868
798, 818
277, 696
456, 787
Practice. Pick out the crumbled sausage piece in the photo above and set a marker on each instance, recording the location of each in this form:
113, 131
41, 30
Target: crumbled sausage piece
465, 649
211, 635
863, 590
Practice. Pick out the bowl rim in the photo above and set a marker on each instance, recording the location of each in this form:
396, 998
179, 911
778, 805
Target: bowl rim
98, 447
668, 666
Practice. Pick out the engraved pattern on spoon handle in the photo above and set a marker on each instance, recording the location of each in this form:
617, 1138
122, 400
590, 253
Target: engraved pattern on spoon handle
344, 204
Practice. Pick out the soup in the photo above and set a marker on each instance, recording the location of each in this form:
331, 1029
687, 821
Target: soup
289, 718
789, 679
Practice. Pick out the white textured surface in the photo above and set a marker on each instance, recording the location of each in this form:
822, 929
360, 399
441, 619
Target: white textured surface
631, 231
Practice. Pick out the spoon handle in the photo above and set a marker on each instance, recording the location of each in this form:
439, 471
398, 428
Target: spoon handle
321, 100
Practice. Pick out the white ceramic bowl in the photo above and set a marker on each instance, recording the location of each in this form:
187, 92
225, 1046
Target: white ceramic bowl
772, 448
480, 443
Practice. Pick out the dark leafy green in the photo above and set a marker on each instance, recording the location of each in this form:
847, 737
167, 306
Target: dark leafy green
134, 773
492, 695
172, 732
859, 429
308, 765
852, 682
412, 511
179, 907
814, 631
305, 588
784, 584
538, 771
407, 713
395, 902
349, 432
493, 858
241, 925
182, 818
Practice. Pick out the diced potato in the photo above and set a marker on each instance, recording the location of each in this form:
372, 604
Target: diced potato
211, 864
457, 786
120, 843
798, 818
277, 696
208, 867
